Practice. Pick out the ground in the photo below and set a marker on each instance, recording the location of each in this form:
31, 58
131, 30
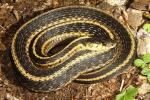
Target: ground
13, 13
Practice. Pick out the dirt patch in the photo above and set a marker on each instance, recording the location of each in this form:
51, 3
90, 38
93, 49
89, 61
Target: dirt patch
13, 13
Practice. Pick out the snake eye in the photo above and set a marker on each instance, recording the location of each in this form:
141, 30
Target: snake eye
111, 44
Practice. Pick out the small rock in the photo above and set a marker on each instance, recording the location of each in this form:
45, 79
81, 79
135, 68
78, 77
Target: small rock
119, 12
146, 97
143, 46
8, 89
105, 7
10, 97
81, 1
48, 2
141, 4
133, 15
6, 82
116, 2
6, 6
1, 85
142, 78
55, 3
144, 88
98, 98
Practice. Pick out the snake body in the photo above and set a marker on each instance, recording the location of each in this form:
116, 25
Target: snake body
75, 43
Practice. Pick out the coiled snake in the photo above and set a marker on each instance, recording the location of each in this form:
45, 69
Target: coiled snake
75, 43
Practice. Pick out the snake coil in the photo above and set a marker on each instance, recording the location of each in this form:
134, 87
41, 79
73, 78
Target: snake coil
75, 43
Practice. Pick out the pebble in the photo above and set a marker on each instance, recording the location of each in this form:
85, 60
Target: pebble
143, 39
143, 5
8, 89
10, 97
116, 2
6, 82
133, 15
1, 85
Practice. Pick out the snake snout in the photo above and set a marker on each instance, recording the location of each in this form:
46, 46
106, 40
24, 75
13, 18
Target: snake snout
111, 45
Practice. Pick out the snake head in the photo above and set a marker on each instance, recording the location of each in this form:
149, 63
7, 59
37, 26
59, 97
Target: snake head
110, 44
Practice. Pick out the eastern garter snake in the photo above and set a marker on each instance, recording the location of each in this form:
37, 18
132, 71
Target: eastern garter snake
74, 43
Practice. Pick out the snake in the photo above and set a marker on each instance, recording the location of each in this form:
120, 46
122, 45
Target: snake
71, 44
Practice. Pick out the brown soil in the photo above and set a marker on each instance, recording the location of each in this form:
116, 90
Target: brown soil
13, 13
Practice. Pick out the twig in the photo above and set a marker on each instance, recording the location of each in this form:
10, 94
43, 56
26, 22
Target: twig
122, 83
125, 18
15, 12
2, 27
87, 96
